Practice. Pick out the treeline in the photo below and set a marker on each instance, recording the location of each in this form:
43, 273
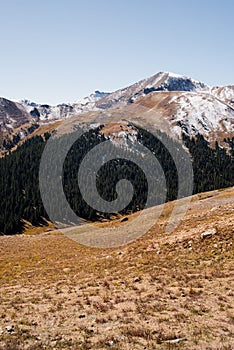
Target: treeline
19, 175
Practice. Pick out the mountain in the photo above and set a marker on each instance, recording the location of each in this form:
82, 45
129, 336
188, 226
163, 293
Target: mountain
177, 104
14, 120
91, 99
12, 115
20, 119
46, 112
189, 106
159, 82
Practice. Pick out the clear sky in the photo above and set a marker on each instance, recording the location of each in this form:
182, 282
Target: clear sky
55, 51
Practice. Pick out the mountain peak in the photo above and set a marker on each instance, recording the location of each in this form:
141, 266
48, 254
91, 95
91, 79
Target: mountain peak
162, 81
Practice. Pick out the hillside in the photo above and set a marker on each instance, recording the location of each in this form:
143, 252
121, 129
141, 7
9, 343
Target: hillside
192, 113
135, 153
161, 292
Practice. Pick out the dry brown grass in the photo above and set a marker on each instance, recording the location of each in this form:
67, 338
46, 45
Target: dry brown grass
60, 295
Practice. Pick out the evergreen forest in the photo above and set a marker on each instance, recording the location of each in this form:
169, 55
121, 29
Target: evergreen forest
213, 168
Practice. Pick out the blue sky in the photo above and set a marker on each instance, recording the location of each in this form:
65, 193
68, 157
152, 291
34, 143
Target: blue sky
55, 51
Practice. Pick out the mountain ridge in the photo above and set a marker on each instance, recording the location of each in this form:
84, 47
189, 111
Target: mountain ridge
188, 105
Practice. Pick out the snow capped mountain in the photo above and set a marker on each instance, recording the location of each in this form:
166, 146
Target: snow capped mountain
96, 96
45, 112
28, 103
188, 106
160, 82
89, 103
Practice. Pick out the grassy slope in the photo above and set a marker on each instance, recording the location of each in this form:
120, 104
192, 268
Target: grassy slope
60, 295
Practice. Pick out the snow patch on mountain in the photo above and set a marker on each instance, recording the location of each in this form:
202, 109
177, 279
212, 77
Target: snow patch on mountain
45, 112
225, 93
201, 113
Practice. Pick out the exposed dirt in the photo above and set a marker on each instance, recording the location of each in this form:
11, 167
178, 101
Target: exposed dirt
116, 128
163, 291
